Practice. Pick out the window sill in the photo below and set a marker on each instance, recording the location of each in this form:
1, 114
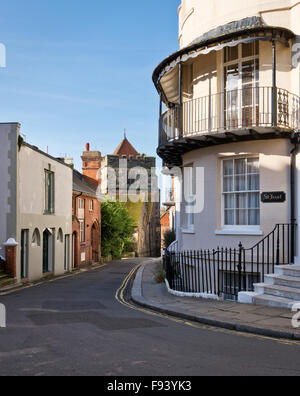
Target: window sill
244, 231
188, 231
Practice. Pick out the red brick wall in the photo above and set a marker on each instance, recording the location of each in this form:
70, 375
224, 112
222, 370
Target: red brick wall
11, 261
92, 218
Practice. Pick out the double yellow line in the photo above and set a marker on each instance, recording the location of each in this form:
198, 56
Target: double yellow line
119, 296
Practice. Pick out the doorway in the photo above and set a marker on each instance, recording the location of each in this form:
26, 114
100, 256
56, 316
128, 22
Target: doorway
95, 244
24, 253
47, 251
74, 250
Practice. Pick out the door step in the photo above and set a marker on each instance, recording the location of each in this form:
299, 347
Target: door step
281, 289
273, 301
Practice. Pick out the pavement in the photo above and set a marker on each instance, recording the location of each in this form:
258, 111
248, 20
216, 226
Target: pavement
269, 322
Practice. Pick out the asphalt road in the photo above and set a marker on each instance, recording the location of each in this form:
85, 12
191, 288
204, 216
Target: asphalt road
76, 326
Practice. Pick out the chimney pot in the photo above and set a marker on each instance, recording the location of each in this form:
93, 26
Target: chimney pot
87, 147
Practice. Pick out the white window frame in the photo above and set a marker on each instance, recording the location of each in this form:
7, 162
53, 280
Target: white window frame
91, 204
189, 218
236, 229
240, 60
81, 203
82, 231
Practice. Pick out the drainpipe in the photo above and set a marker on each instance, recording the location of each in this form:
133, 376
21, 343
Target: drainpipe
180, 110
274, 84
294, 152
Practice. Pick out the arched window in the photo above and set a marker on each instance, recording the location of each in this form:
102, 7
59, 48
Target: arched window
36, 238
60, 235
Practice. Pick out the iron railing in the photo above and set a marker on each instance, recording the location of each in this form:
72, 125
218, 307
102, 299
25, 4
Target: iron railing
249, 107
227, 271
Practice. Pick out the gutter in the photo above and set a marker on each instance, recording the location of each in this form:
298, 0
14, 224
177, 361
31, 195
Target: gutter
279, 9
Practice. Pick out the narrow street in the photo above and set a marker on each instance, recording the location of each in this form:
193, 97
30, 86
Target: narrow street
77, 326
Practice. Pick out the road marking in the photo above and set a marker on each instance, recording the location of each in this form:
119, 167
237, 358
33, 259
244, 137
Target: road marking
39, 283
21, 352
119, 296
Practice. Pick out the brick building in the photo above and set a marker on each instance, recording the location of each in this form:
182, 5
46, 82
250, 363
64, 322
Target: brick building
146, 212
86, 238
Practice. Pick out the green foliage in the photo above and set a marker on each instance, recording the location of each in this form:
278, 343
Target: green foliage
117, 229
159, 274
169, 237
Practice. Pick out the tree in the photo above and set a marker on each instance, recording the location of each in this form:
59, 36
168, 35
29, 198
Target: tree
169, 238
117, 229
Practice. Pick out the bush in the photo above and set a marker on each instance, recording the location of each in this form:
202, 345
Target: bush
159, 274
117, 229
169, 238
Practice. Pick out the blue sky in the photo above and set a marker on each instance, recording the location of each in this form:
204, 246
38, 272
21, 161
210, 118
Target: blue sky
81, 71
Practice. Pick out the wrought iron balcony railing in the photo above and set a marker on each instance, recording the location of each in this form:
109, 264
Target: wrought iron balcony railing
247, 108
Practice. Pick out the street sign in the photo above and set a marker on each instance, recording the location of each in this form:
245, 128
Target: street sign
273, 197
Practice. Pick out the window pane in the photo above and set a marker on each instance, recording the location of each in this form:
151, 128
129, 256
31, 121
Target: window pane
241, 217
229, 217
254, 217
253, 201
232, 78
251, 49
241, 201
253, 165
229, 201
228, 184
240, 183
228, 167
240, 167
248, 69
253, 183
231, 53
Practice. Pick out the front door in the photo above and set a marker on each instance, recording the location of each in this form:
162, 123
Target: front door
45, 252
95, 244
24, 253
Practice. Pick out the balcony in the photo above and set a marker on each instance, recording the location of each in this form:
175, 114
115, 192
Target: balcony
239, 115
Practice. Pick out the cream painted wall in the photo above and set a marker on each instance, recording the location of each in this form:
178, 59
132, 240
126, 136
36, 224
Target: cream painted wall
274, 157
197, 17
31, 206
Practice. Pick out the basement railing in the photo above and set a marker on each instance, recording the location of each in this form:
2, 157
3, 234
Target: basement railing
225, 272
247, 108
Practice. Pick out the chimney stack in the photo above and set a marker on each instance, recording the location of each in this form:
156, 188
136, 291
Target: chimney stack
91, 164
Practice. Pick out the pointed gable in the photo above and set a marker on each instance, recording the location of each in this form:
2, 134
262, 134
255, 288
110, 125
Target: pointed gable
126, 149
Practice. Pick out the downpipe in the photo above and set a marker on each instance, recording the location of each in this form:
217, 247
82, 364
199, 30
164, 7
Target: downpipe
294, 152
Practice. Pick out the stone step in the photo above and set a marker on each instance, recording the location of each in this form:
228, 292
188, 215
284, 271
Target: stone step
283, 280
273, 301
288, 270
7, 281
278, 291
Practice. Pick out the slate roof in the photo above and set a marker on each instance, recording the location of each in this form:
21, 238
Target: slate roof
126, 148
81, 185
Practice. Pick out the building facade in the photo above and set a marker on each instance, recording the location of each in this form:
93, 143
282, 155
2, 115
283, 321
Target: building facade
119, 174
86, 237
229, 121
36, 208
